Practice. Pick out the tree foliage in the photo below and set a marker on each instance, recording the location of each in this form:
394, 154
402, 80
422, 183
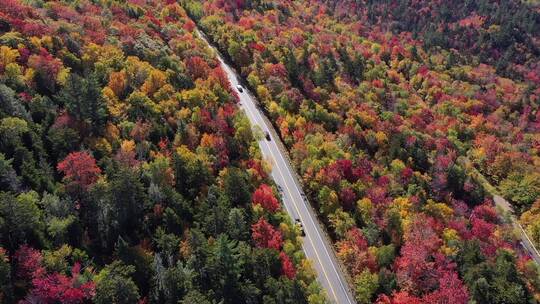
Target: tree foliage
127, 172
379, 103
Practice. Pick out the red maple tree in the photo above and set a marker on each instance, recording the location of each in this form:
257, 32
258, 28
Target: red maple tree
416, 266
265, 235
80, 169
59, 288
451, 290
287, 267
51, 287
197, 67
265, 197
28, 263
401, 297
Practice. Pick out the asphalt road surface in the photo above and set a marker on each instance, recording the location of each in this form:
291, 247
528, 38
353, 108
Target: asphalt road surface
507, 213
316, 247
526, 242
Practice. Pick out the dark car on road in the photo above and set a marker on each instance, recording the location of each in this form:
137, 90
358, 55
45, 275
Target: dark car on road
267, 136
239, 88
298, 223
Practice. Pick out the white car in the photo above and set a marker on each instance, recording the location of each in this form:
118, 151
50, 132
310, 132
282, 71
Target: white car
239, 88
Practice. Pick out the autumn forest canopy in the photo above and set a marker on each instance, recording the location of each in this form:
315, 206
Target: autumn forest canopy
129, 174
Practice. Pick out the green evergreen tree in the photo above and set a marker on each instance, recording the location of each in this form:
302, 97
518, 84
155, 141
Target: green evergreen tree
115, 286
83, 100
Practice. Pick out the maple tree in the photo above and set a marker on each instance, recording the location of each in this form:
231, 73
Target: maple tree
264, 196
79, 169
197, 67
160, 179
377, 123
47, 68
265, 235
401, 297
287, 267
451, 290
56, 287
154, 164
29, 263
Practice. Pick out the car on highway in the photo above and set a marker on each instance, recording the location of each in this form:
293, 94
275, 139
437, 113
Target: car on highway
267, 135
298, 223
240, 88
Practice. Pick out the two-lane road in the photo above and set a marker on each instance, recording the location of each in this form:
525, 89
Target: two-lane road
506, 209
316, 247
526, 242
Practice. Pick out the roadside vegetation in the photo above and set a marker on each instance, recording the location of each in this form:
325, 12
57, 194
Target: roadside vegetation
376, 102
127, 172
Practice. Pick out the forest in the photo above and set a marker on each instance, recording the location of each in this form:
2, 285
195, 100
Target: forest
391, 111
129, 174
